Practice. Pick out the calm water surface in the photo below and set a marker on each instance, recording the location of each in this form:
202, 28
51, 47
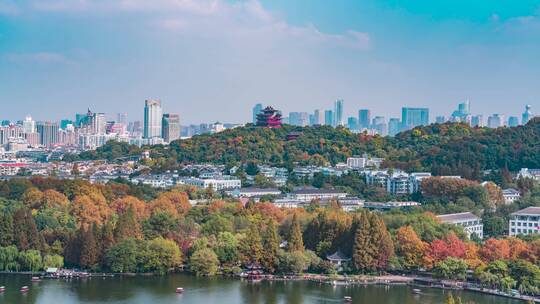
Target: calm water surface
158, 290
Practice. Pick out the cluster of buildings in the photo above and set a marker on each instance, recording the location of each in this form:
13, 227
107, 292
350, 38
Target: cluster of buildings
410, 118
91, 130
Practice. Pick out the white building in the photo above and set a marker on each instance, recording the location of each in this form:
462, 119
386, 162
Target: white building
216, 184
153, 116
529, 173
398, 182
510, 195
524, 222
471, 223
253, 192
307, 195
356, 162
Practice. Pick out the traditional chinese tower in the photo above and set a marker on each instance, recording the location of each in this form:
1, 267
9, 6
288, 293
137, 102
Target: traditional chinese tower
269, 118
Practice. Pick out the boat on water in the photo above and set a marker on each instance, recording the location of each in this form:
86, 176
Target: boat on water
347, 299
417, 291
179, 290
2, 289
24, 289
36, 279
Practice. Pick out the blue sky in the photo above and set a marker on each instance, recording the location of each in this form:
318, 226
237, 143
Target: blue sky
212, 60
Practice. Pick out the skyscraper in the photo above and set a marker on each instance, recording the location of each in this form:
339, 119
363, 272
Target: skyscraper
513, 121
256, 110
477, 121
379, 124
318, 117
29, 125
153, 116
496, 121
413, 117
48, 133
329, 118
298, 119
338, 113
394, 126
364, 118
171, 127
121, 118
99, 123
352, 123
527, 115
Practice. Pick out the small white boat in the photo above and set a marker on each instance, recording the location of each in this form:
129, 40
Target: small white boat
417, 291
347, 299
36, 279
179, 290
24, 289
2, 288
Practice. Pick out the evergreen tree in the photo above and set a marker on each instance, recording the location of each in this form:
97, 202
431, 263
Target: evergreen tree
106, 240
128, 226
271, 247
363, 248
381, 243
26, 235
252, 250
295, 241
89, 249
6, 229
450, 299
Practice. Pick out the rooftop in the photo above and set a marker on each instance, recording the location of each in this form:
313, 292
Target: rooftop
454, 217
528, 211
318, 191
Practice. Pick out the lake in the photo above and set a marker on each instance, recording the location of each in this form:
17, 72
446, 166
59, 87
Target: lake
158, 290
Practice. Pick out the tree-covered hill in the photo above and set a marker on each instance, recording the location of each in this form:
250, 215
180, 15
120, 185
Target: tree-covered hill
449, 148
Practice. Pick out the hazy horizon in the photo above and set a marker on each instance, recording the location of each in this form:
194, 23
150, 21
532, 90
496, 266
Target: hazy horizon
213, 60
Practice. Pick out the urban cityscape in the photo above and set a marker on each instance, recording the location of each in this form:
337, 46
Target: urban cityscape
269, 152
91, 130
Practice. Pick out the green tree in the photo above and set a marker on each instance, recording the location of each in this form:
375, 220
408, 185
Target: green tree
89, 248
251, 247
53, 260
363, 249
451, 268
204, 262
293, 262
6, 229
226, 248
295, 241
30, 260
159, 224
128, 226
271, 242
9, 258
160, 255
122, 257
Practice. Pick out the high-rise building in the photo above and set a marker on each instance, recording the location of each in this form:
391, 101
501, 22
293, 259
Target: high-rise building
65, 122
318, 117
413, 117
496, 121
352, 123
463, 111
48, 133
121, 118
364, 118
379, 125
298, 119
99, 123
527, 115
329, 118
513, 121
440, 119
153, 116
338, 113
256, 110
171, 127
394, 126
29, 125
477, 121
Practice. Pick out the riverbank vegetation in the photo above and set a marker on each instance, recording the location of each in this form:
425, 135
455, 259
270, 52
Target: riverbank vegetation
119, 227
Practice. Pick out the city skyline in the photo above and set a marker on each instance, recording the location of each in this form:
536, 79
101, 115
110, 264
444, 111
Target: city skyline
110, 55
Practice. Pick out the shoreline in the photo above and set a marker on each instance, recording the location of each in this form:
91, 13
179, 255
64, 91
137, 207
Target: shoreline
338, 280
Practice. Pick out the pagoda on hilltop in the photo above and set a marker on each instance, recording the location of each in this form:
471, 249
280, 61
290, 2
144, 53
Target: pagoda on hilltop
269, 118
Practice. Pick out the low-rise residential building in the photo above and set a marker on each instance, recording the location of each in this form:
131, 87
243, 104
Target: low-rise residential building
525, 221
381, 206
510, 195
216, 184
253, 192
307, 195
471, 223
398, 182
529, 173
